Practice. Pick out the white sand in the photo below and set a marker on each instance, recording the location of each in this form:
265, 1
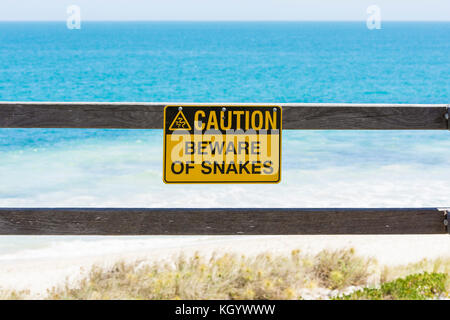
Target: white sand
38, 272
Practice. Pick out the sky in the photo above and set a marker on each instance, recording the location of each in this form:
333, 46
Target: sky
214, 10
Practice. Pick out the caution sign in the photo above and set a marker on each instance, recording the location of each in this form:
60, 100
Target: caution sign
222, 144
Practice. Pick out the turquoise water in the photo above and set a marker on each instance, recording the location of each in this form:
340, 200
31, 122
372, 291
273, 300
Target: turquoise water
224, 62
234, 62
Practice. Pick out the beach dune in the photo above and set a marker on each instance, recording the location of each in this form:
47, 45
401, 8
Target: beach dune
40, 269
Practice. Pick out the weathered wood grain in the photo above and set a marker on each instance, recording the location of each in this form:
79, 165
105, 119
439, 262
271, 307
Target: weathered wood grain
85, 221
150, 115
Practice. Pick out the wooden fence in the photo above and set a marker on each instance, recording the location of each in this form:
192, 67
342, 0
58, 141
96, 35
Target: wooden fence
223, 221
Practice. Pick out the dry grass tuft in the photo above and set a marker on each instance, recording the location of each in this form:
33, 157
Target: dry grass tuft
224, 276
14, 295
342, 268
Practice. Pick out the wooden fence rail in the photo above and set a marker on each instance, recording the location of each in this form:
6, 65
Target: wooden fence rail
295, 115
221, 221
106, 221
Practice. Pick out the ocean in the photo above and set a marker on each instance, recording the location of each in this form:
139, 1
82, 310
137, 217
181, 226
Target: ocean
221, 62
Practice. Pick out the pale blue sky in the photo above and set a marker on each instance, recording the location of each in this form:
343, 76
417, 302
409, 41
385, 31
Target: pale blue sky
301, 10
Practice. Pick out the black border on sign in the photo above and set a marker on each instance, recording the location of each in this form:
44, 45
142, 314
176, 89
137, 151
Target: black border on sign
220, 182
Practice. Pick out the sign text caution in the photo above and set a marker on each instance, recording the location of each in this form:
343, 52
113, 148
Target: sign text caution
222, 144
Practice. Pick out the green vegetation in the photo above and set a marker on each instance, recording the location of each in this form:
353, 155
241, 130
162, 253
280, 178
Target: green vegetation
421, 286
431, 266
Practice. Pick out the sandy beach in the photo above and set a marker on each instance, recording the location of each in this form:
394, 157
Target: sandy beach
40, 269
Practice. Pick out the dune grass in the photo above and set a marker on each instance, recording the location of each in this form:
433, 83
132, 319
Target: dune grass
14, 295
224, 276
265, 276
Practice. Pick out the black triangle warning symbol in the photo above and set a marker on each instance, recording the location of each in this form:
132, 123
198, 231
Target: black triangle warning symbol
180, 122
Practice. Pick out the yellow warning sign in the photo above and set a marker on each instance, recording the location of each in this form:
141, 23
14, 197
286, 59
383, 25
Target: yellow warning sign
222, 144
180, 122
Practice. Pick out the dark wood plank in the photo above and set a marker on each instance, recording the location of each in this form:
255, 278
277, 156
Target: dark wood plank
81, 115
150, 116
83, 221
388, 117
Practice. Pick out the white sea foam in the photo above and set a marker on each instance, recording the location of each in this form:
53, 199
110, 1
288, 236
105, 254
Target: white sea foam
319, 170
128, 174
